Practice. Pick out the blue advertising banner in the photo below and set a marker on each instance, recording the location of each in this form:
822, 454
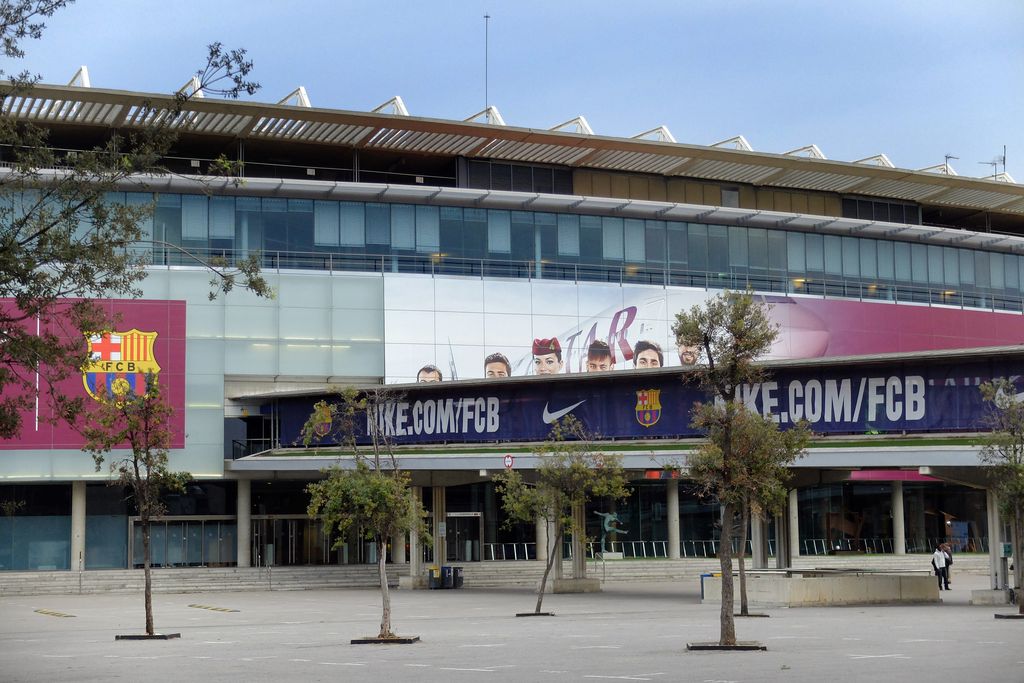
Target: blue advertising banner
903, 397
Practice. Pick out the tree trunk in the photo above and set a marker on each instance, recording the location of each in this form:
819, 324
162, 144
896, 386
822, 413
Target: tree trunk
385, 595
728, 630
554, 554
744, 520
148, 591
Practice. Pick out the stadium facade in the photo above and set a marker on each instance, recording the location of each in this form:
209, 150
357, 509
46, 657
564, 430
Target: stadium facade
404, 248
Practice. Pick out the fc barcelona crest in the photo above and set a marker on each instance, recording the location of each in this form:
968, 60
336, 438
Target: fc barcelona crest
648, 407
119, 362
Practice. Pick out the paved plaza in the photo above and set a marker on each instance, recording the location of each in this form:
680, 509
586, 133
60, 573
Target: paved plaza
632, 632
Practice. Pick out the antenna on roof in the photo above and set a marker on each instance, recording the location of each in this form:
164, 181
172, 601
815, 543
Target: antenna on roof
946, 163
487, 50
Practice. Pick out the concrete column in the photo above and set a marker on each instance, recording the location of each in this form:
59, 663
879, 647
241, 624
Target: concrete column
672, 511
899, 527
579, 548
541, 538
243, 513
794, 526
440, 525
78, 526
415, 553
995, 538
782, 542
758, 543
398, 548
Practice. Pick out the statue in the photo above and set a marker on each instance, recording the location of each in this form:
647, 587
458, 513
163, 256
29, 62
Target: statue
611, 519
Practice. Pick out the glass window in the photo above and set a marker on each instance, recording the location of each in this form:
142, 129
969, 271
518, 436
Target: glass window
998, 280
982, 271
950, 267
501, 177
738, 248
833, 255
524, 245
403, 226
851, 257
142, 199
222, 218
777, 250
451, 231
568, 235
522, 179
542, 180
353, 224
730, 197
326, 225
966, 266
591, 239
815, 254
1010, 272
428, 229
935, 265
718, 249
757, 248
696, 247
886, 260
901, 252
499, 232
635, 240
378, 223
868, 259
474, 236
612, 228
545, 236
795, 252
666, 240
194, 220
300, 225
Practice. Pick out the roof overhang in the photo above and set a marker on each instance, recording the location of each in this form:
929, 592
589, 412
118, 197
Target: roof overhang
56, 106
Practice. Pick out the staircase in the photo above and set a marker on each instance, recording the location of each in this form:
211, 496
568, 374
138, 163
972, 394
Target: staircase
477, 574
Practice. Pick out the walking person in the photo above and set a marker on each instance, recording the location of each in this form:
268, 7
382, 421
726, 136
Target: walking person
939, 564
947, 550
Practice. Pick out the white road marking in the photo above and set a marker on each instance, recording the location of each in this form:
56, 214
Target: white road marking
423, 666
853, 639
895, 656
343, 663
300, 660
58, 656
452, 668
991, 642
924, 640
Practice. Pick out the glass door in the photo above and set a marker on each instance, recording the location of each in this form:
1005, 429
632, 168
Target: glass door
465, 529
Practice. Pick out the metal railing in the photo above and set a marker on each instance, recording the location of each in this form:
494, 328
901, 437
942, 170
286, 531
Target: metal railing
510, 551
435, 264
883, 545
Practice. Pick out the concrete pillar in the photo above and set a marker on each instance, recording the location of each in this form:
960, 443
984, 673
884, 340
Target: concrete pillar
398, 548
415, 553
440, 525
243, 513
579, 548
782, 542
78, 526
672, 511
899, 527
758, 543
995, 538
541, 538
794, 525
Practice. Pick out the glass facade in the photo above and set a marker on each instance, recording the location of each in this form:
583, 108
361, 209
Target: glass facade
371, 236
35, 527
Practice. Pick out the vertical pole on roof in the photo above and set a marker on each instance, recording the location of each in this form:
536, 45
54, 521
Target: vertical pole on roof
487, 52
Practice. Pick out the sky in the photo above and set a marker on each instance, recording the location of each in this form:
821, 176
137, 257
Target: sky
913, 79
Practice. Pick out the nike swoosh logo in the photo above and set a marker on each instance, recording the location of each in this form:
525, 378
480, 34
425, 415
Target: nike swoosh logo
551, 417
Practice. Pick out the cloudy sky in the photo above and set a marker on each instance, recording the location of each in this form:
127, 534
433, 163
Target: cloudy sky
915, 79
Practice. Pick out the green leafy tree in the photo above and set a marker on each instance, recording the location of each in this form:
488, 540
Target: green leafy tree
1003, 453
142, 422
570, 473
761, 457
372, 496
731, 330
62, 243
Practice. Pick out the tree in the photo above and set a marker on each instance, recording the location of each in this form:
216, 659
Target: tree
1003, 452
142, 423
62, 243
372, 498
761, 456
570, 473
731, 330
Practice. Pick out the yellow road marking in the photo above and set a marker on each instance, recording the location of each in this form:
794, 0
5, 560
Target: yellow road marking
214, 609
51, 613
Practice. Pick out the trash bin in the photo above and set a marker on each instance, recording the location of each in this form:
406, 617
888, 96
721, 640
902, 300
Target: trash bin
447, 577
457, 577
434, 578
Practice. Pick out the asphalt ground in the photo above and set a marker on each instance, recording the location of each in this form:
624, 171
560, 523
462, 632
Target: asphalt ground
631, 632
